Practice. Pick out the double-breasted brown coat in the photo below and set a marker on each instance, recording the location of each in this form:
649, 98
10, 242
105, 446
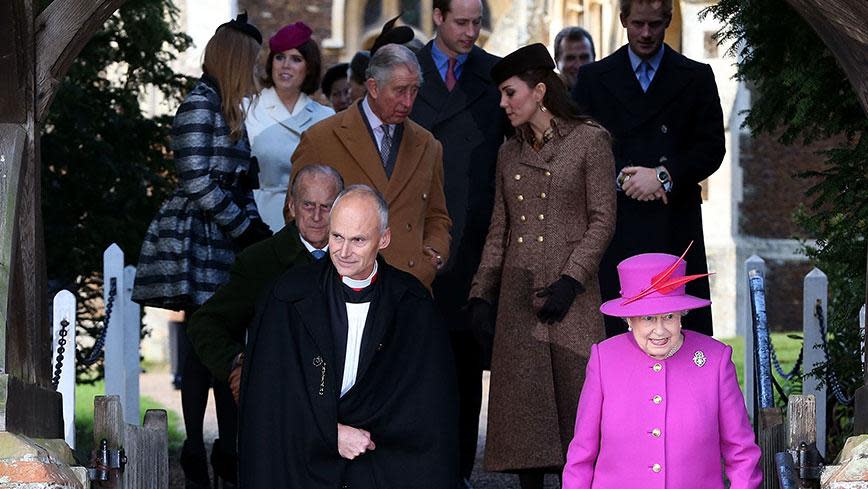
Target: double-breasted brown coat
417, 204
554, 214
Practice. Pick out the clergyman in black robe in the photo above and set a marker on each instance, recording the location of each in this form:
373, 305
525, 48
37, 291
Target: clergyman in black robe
404, 393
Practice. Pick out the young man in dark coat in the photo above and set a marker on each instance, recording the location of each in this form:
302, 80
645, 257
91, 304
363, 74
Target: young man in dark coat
664, 114
458, 103
348, 379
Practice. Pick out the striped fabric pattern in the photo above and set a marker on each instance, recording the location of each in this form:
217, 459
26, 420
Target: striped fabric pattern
188, 248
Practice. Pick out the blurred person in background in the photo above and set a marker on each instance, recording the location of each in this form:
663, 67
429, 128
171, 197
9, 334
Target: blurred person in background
281, 112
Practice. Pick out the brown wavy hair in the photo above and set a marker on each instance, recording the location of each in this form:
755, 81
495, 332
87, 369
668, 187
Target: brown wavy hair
557, 100
230, 58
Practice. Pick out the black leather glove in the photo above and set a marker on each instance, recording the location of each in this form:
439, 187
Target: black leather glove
481, 317
561, 294
255, 232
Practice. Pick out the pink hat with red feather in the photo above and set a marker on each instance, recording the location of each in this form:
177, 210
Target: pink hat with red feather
651, 284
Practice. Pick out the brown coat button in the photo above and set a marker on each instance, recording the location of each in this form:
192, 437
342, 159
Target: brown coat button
411, 263
517, 176
541, 217
520, 197
540, 239
409, 226
522, 218
542, 195
520, 239
424, 196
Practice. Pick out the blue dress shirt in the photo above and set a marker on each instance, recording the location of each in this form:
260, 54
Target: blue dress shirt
441, 61
654, 61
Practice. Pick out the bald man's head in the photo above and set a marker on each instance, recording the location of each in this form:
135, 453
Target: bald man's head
358, 230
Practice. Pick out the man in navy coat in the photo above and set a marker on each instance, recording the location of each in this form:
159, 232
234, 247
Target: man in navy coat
459, 104
664, 114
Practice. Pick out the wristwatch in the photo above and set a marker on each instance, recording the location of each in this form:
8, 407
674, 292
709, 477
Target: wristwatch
664, 179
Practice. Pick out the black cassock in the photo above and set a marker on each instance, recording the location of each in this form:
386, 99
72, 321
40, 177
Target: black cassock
404, 393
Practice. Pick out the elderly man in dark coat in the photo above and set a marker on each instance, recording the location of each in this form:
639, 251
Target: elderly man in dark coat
348, 380
458, 103
664, 114
217, 329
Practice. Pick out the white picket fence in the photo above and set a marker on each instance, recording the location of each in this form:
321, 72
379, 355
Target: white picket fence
815, 292
121, 344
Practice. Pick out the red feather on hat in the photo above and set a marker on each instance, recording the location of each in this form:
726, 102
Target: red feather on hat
663, 283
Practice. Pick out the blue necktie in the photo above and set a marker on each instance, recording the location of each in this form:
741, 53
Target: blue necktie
644, 74
318, 254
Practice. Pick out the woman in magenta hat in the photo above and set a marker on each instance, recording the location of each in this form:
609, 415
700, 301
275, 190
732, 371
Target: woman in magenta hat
283, 110
660, 407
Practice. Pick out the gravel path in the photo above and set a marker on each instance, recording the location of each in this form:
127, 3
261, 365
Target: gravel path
158, 386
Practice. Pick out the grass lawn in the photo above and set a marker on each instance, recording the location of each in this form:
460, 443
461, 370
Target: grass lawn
787, 349
84, 395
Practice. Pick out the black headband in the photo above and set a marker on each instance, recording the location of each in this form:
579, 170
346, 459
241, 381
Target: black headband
240, 24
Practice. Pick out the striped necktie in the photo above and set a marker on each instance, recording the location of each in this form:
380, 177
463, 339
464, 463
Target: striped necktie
386, 143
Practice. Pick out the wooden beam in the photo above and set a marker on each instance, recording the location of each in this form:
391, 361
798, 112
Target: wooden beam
29, 409
12, 149
62, 31
13, 54
841, 25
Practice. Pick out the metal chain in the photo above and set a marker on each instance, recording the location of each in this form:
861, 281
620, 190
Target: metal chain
832, 377
96, 351
61, 343
797, 368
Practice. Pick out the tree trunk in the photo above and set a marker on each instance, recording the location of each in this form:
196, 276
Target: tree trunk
841, 25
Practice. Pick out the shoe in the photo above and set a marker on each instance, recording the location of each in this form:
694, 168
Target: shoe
194, 462
224, 464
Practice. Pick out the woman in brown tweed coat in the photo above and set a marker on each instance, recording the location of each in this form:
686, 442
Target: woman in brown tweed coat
554, 214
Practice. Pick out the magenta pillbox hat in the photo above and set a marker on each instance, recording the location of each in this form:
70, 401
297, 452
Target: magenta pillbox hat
651, 284
289, 37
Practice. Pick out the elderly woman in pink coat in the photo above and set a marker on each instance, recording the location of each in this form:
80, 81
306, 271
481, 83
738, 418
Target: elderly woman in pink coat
660, 407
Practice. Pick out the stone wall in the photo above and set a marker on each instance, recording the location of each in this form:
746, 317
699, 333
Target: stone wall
772, 190
771, 194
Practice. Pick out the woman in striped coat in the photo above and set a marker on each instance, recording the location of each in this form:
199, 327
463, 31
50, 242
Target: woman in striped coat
191, 243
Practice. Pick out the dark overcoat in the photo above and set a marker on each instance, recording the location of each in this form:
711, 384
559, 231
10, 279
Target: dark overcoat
552, 217
677, 123
217, 329
470, 125
404, 393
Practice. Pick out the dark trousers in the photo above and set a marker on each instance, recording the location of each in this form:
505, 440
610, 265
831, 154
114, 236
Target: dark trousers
196, 380
468, 366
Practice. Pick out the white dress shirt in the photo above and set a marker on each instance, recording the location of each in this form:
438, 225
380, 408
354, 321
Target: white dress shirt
377, 126
310, 248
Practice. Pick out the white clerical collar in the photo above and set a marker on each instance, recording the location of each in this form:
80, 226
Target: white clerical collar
360, 284
310, 247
